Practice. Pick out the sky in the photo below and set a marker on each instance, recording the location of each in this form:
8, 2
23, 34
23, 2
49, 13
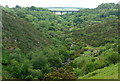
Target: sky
56, 3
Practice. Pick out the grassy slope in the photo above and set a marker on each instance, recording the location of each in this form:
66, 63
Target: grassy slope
110, 72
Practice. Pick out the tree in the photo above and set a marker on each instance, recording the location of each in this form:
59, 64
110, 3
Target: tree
17, 6
55, 61
33, 8
39, 61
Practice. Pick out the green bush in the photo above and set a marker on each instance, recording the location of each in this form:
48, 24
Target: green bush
112, 58
82, 60
35, 74
89, 67
100, 63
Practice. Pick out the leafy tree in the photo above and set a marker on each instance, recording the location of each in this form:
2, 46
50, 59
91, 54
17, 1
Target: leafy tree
17, 6
55, 61
39, 61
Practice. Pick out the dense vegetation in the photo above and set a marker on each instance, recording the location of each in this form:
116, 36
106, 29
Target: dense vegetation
37, 44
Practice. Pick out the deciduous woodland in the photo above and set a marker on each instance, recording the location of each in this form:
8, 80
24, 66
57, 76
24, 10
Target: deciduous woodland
38, 44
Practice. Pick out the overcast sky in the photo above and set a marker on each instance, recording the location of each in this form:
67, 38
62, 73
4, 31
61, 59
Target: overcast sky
56, 3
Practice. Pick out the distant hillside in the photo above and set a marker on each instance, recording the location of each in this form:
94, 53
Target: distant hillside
99, 34
63, 7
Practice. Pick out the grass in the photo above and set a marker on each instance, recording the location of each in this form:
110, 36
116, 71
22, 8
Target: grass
110, 72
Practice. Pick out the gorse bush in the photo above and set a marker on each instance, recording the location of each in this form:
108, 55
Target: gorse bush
60, 74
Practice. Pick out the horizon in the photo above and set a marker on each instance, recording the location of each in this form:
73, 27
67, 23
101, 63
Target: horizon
53, 3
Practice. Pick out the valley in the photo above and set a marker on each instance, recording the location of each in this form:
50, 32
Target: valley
38, 44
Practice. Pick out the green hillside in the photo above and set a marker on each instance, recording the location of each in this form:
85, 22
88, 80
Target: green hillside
17, 33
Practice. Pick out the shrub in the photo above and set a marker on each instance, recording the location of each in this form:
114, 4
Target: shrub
89, 67
36, 74
112, 58
82, 60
